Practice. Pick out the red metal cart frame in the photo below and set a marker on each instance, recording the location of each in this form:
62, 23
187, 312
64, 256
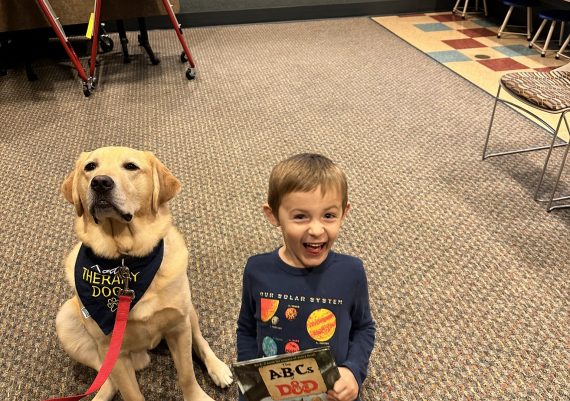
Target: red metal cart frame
89, 82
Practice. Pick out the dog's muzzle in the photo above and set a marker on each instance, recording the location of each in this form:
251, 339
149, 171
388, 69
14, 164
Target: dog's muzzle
102, 186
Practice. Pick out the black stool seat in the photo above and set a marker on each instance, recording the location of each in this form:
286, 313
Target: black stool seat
520, 3
555, 15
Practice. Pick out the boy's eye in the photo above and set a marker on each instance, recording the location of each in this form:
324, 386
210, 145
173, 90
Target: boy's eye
299, 216
330, 215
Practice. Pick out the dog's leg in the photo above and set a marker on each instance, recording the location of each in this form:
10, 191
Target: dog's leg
123, 374
179, 342
77, 342
218, 371
106, 392
140, 359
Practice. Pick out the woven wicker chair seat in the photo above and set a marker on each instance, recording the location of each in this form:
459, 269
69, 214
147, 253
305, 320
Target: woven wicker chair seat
547, 90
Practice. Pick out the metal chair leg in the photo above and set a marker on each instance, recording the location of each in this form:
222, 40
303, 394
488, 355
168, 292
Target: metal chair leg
548, 37
537, 34
549, 208
491, 124
563, 48
509, 12
541, 179
455, 7
528, 23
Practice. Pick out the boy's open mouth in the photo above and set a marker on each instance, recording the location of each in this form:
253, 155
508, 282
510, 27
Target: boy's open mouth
314, 247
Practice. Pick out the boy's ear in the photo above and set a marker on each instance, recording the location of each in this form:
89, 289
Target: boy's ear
346, 210
270, 216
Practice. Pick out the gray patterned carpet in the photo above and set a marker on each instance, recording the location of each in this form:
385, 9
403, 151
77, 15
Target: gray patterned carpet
469, 277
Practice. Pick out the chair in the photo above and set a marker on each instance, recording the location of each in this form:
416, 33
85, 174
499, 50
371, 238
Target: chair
548, 92
563, 48
528, 4
463, 11
554, 16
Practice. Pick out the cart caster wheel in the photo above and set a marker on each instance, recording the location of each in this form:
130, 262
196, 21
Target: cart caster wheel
190, 73
89, 86
106, 43
183, 58
87, 90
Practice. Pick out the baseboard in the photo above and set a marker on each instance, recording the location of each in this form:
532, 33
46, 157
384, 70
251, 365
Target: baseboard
277, 14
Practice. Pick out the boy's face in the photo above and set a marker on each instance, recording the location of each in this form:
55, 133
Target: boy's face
310, 223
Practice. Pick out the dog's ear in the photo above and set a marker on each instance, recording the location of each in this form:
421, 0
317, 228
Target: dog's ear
165, 184
69, 187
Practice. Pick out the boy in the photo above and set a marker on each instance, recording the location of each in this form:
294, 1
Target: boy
304, 295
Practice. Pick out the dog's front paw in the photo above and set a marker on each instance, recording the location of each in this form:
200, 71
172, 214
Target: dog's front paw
220, 373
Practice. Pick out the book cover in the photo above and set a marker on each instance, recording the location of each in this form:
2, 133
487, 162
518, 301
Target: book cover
298, 376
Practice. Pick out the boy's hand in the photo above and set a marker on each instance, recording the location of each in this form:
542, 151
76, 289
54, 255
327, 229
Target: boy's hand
345, 388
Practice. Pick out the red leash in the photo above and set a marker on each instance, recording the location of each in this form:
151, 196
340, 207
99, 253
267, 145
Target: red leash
112, 353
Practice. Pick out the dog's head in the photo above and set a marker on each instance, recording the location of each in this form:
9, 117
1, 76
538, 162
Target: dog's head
119, 183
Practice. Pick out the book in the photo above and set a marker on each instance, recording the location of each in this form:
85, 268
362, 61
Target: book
298, 376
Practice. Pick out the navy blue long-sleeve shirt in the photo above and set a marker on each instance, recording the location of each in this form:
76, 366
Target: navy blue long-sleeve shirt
286, 309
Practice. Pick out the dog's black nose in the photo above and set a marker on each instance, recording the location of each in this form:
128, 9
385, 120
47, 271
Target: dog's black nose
102, 183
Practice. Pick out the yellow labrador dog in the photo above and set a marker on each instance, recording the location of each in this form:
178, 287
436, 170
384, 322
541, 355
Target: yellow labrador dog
120, 196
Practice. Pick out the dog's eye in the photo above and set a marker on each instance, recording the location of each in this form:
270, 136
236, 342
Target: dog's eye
131, 166
90, 166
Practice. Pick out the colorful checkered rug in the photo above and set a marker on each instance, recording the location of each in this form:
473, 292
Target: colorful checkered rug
470, 47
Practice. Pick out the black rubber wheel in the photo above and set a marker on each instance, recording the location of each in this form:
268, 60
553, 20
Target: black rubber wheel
87, 89
106, 43
183, 58
190, 73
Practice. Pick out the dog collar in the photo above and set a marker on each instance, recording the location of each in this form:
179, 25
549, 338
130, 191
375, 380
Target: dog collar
97, 281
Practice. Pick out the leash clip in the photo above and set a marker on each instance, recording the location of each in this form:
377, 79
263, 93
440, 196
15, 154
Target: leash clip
125, 274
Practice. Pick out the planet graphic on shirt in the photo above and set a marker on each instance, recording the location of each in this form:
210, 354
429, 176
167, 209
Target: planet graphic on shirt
291, 313
269, 346
321, 325
268, 308
291, 346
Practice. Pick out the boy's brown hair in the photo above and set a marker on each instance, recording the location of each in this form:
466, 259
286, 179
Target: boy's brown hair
303, 173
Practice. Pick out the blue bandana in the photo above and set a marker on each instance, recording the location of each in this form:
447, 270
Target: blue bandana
98, 282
